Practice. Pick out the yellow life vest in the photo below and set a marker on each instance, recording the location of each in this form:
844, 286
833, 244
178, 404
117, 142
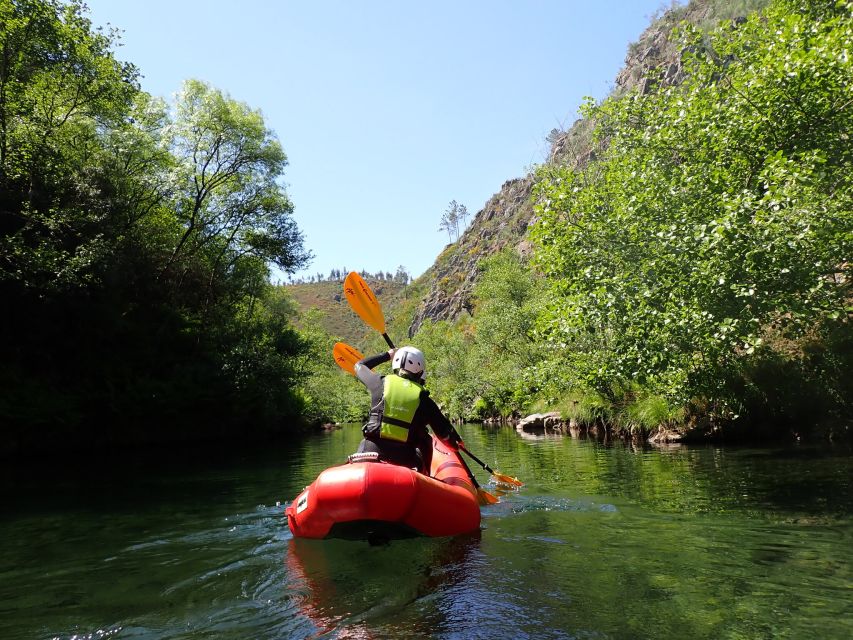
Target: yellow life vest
402, 399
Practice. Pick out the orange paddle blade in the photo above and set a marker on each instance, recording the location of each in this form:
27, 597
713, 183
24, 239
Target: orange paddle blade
500, 477
346, 356
484, 497
363, 301
505, 479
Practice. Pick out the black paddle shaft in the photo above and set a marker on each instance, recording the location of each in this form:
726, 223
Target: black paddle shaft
476, 459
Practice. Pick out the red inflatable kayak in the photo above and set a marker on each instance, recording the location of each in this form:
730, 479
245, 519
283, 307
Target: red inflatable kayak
376, 501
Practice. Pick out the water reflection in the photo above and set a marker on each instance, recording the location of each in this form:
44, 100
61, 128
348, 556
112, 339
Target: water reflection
603, 541
354, 590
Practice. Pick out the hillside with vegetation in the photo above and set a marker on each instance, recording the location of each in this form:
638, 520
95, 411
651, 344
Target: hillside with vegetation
504, 221
322, 300
323, 317
680, 266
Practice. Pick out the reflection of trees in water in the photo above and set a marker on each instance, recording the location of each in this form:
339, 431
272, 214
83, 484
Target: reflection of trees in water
797, 481
603, 539
357, 591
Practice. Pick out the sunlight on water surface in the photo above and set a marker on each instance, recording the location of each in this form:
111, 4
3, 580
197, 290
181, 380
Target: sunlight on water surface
601, 542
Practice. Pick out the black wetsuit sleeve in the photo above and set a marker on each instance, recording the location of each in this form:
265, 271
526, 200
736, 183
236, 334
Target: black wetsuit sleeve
433, 416
372, 362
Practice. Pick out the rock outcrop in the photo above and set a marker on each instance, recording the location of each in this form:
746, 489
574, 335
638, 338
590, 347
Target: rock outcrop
502, 222
653, 61
541, 421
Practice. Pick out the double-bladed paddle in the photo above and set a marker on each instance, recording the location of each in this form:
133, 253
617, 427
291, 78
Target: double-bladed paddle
364, 303
362, 300
346, 356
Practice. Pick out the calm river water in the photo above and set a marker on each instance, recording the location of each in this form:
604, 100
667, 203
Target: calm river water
602, 542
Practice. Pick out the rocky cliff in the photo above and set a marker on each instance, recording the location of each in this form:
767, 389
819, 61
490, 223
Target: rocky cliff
653, 61
502, 222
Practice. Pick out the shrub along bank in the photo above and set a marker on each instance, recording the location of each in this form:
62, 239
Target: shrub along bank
697, 272
135, 239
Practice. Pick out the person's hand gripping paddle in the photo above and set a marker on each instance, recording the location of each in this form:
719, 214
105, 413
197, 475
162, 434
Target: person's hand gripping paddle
363, 301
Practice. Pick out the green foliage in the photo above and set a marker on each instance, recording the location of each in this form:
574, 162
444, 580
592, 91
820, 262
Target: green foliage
455, 215
482, 367
720, 10
262, 356
59, 84
329, 394
585, 407
225, 177
450, 377
336, 317
134, 243
508, 298
718, 211
651, 411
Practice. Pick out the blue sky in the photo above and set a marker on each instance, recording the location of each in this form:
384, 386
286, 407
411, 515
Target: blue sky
388, 110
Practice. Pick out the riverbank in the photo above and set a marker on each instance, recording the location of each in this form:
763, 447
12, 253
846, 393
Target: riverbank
695, 432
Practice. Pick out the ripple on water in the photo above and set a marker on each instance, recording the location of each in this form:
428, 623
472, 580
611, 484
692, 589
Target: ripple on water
519, 503
698, 543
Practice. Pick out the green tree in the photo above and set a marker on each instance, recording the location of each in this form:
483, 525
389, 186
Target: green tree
718, 214
134, 249
508, 298
229, 202
329, 394
450, 221
402, 275
463, 216
450, 379
60, 87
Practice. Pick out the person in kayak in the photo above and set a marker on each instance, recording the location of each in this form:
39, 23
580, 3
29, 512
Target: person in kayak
400, 410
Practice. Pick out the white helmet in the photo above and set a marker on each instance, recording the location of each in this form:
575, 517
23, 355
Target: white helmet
410, 360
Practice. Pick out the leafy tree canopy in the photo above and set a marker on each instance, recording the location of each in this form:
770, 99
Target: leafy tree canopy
135, 241
719, 210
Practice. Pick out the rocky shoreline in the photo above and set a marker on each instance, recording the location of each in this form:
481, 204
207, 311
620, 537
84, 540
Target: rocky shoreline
552, 423
549, 424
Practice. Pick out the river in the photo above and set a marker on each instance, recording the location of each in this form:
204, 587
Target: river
603, 541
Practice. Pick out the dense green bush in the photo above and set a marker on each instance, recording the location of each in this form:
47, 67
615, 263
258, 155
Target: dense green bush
485, 366
134, 244
329, 394
716, 223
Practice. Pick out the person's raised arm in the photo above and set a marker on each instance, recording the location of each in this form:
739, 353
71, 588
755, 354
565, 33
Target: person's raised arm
363, 368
